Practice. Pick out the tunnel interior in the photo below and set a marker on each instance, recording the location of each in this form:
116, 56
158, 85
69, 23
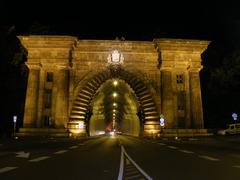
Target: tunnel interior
114, 107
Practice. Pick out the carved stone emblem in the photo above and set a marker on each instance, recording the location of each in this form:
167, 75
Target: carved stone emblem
115, 58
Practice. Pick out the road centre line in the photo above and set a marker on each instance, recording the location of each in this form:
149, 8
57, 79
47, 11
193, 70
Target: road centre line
60, 152
120, 175
209, 158
39, 159
5, 169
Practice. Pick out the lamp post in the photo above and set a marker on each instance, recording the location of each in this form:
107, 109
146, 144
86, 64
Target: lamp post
14, 126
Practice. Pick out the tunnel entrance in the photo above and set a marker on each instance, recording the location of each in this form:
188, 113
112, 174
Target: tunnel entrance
114, 107
114, 99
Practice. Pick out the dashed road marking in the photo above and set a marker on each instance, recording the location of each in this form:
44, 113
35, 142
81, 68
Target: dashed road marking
73, 147
60, 152
172, 147
186, 151
162, 144
209, 158
39, 159
236, 166
5, 169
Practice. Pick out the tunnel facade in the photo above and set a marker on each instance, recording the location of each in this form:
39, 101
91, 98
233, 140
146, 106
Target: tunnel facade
65, 74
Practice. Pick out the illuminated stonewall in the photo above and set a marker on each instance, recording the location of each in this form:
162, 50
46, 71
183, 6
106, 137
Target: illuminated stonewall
163, 73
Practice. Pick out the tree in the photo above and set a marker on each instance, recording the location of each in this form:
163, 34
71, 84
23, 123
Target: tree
13, 75
220, 82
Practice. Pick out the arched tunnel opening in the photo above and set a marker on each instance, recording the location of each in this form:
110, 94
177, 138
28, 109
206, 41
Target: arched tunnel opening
115, 107
114, 100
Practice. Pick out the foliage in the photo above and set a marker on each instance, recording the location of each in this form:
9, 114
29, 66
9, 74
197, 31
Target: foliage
13, 76
220, 83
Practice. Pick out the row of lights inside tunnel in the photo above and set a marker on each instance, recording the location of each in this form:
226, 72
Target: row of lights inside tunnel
115, 83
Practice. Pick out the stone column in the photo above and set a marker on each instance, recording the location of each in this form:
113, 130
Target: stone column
31, 104
61, 96
167, 98
187, 107
195, 100
41, 89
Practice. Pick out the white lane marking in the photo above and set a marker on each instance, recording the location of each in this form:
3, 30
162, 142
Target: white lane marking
162, 144
5, 169
39, 159
172, 147
60, 152
73, 147
120, 174
81, 144
136, 165
236, 166
209, 158
22, 154
186, 151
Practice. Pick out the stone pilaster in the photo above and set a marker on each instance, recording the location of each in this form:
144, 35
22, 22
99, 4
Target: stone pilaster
167, 98
39, 120
195, 100
187, 102
31, 104
61, 97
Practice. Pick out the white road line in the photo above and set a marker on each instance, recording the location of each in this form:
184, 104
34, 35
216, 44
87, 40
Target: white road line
172, 147
136, 165
81, 144
209, 158
39, 159
186, 151
5, 169
162, 144
236, 166
73, 147
60, 152
120, 174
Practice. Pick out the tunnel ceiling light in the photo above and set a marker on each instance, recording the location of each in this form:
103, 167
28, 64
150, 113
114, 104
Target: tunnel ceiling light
115, 104
114, 110
115, 83
114, 94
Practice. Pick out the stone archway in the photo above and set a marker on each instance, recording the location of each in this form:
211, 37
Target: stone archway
87, 91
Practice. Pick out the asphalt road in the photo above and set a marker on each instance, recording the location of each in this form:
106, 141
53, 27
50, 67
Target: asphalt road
120, 157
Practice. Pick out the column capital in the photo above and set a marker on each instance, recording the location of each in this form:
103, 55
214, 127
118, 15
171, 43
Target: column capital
35, 66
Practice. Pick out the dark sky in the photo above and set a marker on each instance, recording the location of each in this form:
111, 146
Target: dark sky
138, 20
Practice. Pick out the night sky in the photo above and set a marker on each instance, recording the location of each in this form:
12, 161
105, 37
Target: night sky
133, 19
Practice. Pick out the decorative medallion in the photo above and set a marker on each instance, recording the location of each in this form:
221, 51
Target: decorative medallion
115, 58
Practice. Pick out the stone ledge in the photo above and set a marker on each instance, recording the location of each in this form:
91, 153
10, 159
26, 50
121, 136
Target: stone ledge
43, 132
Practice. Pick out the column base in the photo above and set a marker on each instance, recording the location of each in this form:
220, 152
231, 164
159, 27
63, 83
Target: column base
151, 128
76, 128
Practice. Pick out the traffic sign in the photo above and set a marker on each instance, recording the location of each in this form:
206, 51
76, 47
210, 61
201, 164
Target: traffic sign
234, 116
162, 123
14, 119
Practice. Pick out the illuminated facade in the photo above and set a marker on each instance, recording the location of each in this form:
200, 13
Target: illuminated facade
66, 73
